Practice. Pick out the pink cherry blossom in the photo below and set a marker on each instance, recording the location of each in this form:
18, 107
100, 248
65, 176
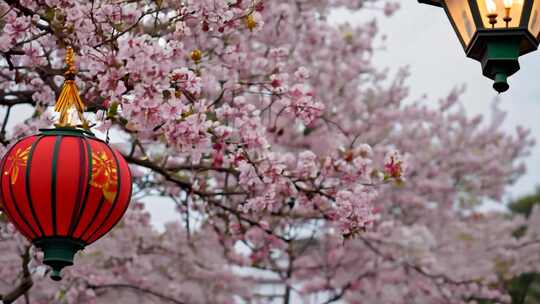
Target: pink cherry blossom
298, 170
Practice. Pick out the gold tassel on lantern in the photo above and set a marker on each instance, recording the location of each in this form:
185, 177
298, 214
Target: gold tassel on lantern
69, 96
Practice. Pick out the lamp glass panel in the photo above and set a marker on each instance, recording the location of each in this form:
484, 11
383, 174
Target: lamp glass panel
534, 22
502, 8
461, 15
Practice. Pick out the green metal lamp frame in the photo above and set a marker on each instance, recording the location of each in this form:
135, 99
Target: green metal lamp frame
498, 49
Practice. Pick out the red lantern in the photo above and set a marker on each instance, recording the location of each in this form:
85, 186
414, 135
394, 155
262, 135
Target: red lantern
64, 188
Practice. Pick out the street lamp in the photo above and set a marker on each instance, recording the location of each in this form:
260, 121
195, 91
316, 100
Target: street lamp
495, 32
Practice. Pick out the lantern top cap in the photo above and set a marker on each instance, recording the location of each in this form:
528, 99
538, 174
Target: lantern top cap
69, 131
69, 97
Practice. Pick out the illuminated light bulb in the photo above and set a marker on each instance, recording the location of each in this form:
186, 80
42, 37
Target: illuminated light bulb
491, 6
492, 12
507, 7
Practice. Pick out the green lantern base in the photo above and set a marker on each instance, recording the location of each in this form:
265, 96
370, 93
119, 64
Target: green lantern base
498, 50
501, 85
59, 253
501, 61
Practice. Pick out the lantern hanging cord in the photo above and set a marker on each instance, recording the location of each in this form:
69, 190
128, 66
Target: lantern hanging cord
69, 96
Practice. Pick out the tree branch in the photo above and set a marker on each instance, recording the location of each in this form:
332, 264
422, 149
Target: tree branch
169, 177
28, 12
26, 281
137, 289
208, 195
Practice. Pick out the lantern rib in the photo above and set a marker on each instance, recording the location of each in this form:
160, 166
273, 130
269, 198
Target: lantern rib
94, 217
125, 206
3, 195
79, 196
56, 153
98, 209
111, 209
75, 222
19, 212
27, 184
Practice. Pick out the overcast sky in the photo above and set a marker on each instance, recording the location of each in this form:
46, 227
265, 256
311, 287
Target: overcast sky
421, 36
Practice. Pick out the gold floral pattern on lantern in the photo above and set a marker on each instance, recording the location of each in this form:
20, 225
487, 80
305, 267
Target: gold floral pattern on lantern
104, 175
18, 162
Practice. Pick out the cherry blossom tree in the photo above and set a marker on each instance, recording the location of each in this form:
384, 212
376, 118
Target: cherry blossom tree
300, 171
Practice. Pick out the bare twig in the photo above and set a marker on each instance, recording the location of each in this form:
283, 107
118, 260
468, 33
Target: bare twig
26, 281
136, 289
